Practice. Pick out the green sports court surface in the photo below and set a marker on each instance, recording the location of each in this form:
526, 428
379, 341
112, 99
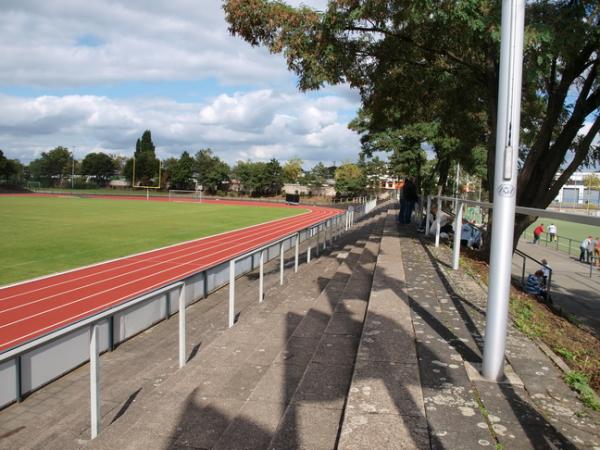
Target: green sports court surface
43, 235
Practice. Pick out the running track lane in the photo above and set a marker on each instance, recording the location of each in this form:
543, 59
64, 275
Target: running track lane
34, 308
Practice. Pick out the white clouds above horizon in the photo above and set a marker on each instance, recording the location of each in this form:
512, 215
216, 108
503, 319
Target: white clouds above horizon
258, 125
61, 54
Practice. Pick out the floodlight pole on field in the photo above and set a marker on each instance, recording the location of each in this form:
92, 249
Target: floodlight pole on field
505, 185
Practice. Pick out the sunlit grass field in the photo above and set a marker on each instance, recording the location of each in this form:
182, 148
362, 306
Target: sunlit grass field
43, 235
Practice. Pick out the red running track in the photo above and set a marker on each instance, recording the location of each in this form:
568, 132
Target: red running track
34, 308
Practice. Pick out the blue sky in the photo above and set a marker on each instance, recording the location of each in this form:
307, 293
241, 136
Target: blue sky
92, 76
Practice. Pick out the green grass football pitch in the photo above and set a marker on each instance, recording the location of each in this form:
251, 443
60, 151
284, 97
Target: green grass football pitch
43, 235
575, 231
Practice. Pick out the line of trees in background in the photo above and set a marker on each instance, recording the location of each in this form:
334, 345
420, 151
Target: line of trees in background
59, 168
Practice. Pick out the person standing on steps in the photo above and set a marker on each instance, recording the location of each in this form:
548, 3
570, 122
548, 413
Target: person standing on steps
537, 233
583, 249
552, 232
410, 198
590, 250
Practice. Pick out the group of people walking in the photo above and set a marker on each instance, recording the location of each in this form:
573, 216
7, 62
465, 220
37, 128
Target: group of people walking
589, 250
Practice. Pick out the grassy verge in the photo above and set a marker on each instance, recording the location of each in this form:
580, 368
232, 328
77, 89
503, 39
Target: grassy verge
577, 347
42, 235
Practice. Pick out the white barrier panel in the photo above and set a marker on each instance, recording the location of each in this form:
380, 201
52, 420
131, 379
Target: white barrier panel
50, 361
8, 381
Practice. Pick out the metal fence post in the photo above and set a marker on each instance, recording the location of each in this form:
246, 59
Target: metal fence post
457, 235
427, 215
281, 263
231, 314
182, 345
261, 277
94, 382
318, 239
437, 218
310, 235
297, 253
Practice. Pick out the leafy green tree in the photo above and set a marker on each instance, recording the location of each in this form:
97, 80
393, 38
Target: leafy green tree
146, 165
292, 170
373, 169
100, 166
52, 167
212, 172
182, 171
591, 181
259, 178
349, 180
274, 177
438, 62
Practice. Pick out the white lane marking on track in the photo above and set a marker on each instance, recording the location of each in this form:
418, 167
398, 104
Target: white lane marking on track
117, 287
187, 247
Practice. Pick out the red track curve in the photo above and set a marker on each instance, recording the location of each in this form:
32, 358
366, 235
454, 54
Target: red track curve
34, 308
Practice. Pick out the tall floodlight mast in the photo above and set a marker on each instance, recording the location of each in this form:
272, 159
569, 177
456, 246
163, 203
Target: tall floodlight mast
505, 185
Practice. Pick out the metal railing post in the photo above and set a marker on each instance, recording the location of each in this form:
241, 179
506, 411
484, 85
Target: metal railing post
457, 235
318, 239
437, 218
94, 382
297, 253
182, 345
281, 263
310, 235
427, 215
231, 313
261, 277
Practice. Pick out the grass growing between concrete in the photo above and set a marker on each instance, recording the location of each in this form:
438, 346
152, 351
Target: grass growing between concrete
577, 347
43, 235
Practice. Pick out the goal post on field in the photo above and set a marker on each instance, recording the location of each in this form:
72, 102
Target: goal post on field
148, 188
184, 195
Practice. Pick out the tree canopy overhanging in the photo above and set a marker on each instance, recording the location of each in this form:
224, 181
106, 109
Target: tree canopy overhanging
437, 63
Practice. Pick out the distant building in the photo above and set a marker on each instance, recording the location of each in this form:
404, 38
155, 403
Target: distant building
119, 184
574, 192
320, 191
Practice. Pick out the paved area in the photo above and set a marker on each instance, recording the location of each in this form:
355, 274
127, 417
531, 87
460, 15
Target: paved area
376, 344
573, 290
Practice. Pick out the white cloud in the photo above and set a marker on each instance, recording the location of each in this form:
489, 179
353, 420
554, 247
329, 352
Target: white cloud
66, 43
259, 124
69, 46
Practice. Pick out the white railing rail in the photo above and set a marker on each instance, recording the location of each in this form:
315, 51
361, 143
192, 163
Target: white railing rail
568, 217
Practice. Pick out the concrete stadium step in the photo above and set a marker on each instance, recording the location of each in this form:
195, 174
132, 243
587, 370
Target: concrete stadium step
234, 383
314, 411
385, 407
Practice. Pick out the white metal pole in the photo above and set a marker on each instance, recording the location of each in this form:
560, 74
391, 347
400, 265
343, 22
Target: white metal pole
310, 235
231, 315
427, 215
438, 224
505, 185
281, 262
324, 236
318, 239
94, 382
297, 252
261, 277
182, 344
457, 235
457, 187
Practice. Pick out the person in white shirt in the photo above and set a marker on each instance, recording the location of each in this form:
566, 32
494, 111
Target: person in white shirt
583, 249
552, 232
444, 219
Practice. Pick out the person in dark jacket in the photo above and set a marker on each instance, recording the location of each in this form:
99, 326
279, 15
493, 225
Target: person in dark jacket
409, 199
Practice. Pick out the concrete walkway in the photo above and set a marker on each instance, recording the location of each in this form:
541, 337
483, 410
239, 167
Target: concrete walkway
573, 291
376, 344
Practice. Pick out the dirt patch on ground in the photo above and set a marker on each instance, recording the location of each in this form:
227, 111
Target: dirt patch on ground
577, 347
